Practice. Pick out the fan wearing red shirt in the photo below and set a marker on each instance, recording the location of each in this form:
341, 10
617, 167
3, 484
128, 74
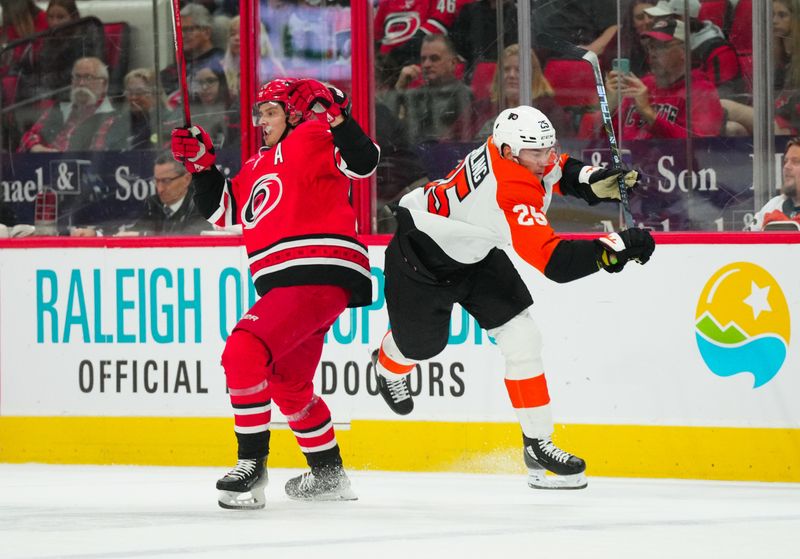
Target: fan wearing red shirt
292, 201
655, 106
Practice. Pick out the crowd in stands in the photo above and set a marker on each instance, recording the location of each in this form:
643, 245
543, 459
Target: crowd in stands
67, 87
651, 95
438, 77
447, 95
715, 34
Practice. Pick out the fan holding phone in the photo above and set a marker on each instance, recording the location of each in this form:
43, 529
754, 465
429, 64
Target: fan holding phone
654, 105
621, 65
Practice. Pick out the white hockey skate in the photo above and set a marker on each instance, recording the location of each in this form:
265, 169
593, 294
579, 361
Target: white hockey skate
543, 456
243, 487
327, 484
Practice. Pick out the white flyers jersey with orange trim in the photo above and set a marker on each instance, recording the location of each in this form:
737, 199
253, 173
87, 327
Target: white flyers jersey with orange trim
489, 202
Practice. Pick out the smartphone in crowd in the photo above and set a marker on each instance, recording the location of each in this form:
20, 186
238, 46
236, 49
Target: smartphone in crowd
621, 65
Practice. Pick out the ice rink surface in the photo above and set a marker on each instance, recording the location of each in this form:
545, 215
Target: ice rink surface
119, 512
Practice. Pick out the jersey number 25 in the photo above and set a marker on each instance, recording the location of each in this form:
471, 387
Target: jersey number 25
528, 215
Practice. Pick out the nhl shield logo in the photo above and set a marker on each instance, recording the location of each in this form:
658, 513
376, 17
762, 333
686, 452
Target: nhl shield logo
265, 195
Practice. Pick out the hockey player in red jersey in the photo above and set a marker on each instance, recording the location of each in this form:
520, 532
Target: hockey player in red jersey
448, 249
299, 229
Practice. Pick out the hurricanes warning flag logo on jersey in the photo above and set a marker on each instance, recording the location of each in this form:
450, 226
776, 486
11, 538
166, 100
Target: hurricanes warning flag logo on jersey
265, 195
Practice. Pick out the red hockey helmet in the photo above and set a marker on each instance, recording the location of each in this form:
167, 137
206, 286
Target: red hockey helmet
275, 91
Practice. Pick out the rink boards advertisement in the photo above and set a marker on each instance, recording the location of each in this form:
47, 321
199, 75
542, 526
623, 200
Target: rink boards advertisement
700, 338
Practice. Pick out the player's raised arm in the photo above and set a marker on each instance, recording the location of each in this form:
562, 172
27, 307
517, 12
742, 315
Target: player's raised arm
356, 154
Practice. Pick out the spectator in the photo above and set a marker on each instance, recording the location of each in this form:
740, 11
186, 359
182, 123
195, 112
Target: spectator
49, 75
171, 210
400, 26
655, 105
474, 32
441, 109
541, 92
83, 122
21, 18
212, 106
786, 206
198, 49
711, 51
136, 127
230, 63
786, 32
786, 29
62, 12
590, 24
636, 21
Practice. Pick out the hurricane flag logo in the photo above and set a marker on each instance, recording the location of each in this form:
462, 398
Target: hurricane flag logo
742, 323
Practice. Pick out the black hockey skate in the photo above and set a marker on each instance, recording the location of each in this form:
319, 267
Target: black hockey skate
321, 484
243, 487
542, 456
395, 392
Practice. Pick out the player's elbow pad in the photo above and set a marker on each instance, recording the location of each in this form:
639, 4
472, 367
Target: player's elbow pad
572, 260
357, 149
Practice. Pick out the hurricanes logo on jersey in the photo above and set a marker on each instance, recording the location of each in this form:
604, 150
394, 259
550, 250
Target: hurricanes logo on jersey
400, 27
265, 195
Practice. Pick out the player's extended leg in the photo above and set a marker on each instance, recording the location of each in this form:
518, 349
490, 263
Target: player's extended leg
310, 420
520, 343
245, 362
392, 369
419, 311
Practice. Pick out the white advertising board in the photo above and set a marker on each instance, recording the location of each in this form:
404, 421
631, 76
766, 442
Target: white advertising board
140, 331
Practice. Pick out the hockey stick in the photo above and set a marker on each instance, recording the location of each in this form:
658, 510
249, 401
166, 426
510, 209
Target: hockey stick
180, 61
574, 51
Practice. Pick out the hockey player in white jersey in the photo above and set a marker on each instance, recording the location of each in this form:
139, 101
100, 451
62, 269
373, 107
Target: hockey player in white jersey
447, 250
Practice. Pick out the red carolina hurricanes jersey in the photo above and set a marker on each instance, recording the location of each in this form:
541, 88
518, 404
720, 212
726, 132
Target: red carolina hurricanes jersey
396, 21
670, 104
299, 228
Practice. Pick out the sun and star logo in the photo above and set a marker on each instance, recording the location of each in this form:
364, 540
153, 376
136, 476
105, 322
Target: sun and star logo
742, 323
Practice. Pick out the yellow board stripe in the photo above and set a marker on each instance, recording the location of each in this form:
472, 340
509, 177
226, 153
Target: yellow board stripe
723, 453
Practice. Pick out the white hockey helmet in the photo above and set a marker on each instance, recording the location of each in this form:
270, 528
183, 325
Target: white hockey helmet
523, 127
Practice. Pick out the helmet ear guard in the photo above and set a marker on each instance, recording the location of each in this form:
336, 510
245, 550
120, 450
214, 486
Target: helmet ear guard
521, 128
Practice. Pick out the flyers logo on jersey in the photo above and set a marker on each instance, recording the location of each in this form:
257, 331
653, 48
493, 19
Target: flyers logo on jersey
265, 195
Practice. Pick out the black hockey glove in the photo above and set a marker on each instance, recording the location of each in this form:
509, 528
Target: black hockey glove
632, 244
603, 181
